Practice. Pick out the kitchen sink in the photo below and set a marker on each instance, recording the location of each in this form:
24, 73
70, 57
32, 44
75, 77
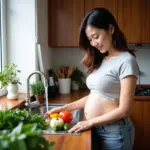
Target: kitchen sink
77, 116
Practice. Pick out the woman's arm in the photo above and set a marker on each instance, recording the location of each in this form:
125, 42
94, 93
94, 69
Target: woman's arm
128, 85
68, 107
76, 105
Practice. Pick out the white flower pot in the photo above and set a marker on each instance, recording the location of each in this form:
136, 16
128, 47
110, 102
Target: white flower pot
12, 91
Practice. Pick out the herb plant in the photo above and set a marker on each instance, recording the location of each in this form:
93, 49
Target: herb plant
78, 76
24, 137
9, 75
37, 88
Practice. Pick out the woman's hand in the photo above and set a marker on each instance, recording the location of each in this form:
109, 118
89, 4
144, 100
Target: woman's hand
80, 126
54, 110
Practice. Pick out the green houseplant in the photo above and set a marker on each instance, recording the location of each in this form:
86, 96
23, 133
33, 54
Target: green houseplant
38, 90
9, 75
78, 79
9, 78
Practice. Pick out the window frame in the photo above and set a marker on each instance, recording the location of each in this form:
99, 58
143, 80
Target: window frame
3, 90
3, 31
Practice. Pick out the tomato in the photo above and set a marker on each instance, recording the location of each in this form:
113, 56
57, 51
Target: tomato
53, 115
66, 116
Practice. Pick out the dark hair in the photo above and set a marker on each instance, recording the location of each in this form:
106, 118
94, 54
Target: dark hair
100, 18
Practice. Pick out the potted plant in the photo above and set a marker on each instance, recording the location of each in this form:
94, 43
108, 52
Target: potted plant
77, 79
38, 90
9, 78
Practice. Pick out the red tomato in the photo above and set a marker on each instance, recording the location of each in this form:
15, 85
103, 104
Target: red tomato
66, 116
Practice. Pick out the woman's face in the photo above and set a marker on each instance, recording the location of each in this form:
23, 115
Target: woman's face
100, 38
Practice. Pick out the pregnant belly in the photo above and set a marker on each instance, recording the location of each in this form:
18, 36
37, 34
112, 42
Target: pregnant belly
97, 106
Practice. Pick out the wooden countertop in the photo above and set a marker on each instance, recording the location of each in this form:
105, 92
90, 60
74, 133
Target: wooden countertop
68, 98
82, 142
63, 142
142, 98
70, 142
11, 104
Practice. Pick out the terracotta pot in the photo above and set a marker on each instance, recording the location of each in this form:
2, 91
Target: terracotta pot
40, 98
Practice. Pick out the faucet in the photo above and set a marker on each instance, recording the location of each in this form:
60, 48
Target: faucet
28, 102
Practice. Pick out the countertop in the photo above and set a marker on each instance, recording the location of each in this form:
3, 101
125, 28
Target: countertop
12, 104
67, 98
70, 142
63, 142
142, 98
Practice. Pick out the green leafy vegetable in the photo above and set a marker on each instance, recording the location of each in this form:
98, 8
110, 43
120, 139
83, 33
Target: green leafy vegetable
11, 118
24, 137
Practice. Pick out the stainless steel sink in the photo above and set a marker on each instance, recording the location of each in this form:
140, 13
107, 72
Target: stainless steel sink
77, 116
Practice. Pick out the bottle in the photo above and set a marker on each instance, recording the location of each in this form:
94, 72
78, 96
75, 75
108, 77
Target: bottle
52, 86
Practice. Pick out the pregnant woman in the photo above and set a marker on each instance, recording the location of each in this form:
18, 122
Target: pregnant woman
112, 75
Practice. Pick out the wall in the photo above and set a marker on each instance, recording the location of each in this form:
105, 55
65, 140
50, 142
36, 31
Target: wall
42, 32
68, 56
143, 56
20, 21
27, 25
26, 22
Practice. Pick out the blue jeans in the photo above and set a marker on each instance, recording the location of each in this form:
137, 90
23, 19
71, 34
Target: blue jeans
118, 135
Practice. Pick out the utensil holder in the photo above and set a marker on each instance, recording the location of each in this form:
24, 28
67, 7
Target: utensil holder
64, 85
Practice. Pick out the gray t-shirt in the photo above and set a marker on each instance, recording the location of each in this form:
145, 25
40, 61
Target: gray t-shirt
105, 80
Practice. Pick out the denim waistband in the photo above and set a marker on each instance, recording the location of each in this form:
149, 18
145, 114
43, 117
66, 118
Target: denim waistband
116, 124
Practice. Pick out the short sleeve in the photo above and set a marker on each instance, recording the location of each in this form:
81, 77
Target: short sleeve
129, 67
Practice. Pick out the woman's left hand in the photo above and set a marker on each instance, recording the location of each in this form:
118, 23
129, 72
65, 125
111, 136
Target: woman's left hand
80, 126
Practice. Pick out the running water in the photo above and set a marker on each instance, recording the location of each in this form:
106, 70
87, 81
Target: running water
46, 97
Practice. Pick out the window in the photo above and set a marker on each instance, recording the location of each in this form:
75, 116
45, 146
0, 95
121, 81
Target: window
2, 41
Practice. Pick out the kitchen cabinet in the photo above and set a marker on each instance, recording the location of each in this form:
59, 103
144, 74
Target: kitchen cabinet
133, 19
64, 18
147, 39
110, 5
141, 118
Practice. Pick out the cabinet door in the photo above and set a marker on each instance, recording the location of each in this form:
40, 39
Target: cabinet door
64, 21
147, 39
110, 5
141, 118
132, 19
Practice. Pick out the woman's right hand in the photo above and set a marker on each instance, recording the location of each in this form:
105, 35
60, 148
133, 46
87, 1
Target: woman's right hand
54, 110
